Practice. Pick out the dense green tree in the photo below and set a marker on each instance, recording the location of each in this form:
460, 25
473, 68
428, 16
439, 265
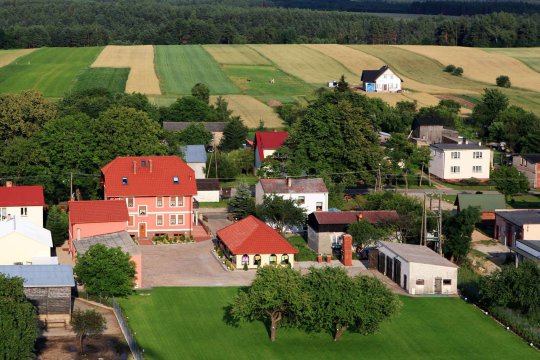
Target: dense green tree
275, 297
201, 92
405, 157
493, 103
458, 71
87, 323
90, 102
221, 110
503, 81
242, 204
290, 113
190, 109
510, 181
365, 234
457, 231
519, 129
342, 85
18, 321
234, 135
105, 271
281, 213
195, 134
57, 223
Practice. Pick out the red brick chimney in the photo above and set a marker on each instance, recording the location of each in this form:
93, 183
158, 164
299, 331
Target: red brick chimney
360, 216
289, 182
9, 183
134, 167
150, 161
346, 250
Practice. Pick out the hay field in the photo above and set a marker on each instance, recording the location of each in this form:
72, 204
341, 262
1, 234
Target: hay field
180, 67
251, 111
423, 99
8, 56
140, 59
529, 56
480, 65
52, 71
235, 55
305, 63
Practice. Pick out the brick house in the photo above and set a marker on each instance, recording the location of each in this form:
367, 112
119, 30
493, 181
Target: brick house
529, 164
158, 191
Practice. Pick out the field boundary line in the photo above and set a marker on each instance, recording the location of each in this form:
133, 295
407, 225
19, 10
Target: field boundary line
222, 71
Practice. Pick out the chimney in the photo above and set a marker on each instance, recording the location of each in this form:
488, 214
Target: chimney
360, 216
9, 183
78, 233
134, 167
289, 182
346, 250
150, 162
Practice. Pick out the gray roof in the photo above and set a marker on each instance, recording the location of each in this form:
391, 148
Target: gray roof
194, 153
535, 244
296, 185
469, 146
210, 126
119, 239
41, 275
521, 217
417, 254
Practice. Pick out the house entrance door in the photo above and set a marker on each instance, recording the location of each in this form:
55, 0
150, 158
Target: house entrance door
509, 237
385, 87
142, 230
438, 285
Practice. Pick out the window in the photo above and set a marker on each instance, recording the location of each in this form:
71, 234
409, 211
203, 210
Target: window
130, 202
180, 219
173, 201
180, 201
159, 201
142, 210
245, 259
131, 220
454, 169
159, 220
477, 155
420, 282
172, 219
24, 211
257, 260
124, 181
476, 169
301, 200
455, 155
143, 163
175, 180
284, 259
318, 206
3, 214
447, 282
273, 259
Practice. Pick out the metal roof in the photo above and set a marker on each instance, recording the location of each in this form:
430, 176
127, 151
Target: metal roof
486, 202
41, 275
521, 217
417, 254
194, 153
119, 239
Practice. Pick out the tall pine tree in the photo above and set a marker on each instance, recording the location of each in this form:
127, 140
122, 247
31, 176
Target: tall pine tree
234, 134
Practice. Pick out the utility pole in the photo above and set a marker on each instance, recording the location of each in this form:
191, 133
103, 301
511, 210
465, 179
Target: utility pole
436, 214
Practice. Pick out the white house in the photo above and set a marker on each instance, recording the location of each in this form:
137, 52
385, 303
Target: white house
266, 143
195, 157
22, 201
310, 194
416, 268
208, 190
24, 243
456, 162
382, 80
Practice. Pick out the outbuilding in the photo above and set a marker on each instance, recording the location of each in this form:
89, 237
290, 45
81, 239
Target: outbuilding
415, 268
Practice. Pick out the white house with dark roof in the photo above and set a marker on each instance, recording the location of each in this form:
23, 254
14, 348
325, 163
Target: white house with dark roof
454, 162
195, 157
382, 80
310, 194
415, 268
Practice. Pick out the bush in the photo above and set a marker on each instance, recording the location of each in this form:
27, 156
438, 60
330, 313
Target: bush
470, 182
503, 81
457, 71
449, 68
245, 267
518, 322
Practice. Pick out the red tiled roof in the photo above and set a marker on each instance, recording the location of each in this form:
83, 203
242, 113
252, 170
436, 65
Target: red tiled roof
97, 211
154, 179
269, 140
252, 236
22, 196
281, 186
348, 217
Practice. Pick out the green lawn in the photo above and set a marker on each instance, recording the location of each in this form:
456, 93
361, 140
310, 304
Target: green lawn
182, 66
113, 79
187, 323
525, 202
304, 251
52, 71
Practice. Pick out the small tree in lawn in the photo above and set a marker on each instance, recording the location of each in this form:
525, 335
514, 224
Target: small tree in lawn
87, 323
338, 302
503, 81
201, 92
57, 223
242, 204
105, 271
510, 181
275, 296
457, 230
280, 212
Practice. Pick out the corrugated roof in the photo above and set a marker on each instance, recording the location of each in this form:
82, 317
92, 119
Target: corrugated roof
521, 217
269, 140
97, 211
348, 217
431, 121
27, 229
119, 239
194, 153
41, 275
486, 202
417, 254
252, 236
208, 185
148, 176
210, 126
281, 186
22, 196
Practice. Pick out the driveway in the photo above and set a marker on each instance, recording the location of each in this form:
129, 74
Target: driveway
190, 264
216, 221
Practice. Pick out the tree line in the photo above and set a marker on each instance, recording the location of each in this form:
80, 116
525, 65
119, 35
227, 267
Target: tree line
29, 24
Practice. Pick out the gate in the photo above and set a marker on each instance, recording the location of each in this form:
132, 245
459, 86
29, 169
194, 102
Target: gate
373, 259
397, 271
389, 263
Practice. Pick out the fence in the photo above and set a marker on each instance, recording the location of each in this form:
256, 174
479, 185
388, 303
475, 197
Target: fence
137, 353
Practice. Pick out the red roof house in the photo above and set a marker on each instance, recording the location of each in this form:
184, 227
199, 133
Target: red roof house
253, 243
266, 143
22, 201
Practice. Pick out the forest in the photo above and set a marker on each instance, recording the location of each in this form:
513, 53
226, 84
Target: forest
75, 23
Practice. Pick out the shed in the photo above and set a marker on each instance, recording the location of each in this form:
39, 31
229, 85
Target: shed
208, 190
48, 287
195, 157
487, 203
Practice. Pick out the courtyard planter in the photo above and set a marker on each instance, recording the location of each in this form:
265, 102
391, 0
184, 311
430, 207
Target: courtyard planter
328, 258
319, 258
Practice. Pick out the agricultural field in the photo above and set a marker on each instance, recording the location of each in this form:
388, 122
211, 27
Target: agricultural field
139, 59
8, 56
188, 323
235, 55
52, 71
113, 79
180, 67
529, 56
252, 111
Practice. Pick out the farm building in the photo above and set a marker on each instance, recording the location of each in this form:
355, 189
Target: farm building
208, 190
253, 243
519, 230
487, 203
428, 130
529, 164
454, 162
415, 268
382, 80
22, 201
326, 228
195, 157
216, 128
266, 143
48, 287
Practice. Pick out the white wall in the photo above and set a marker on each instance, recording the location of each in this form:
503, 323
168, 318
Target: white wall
265, 260
207, 196
311, 199
389, 79
16, 247
33, 213
441, 163
200, 170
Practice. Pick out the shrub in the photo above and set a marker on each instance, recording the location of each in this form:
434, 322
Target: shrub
518, 322
449, 68
245, 267
470, 182
457, 71
503, 81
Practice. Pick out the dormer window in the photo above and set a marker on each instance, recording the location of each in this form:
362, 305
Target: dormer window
175, 180
143, 163
124, 181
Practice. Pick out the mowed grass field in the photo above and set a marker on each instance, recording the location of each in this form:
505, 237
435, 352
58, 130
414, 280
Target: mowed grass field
113, 79
8, 56
180, 67
529, 56
52, 71
252, 111
187, 323
236, 55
